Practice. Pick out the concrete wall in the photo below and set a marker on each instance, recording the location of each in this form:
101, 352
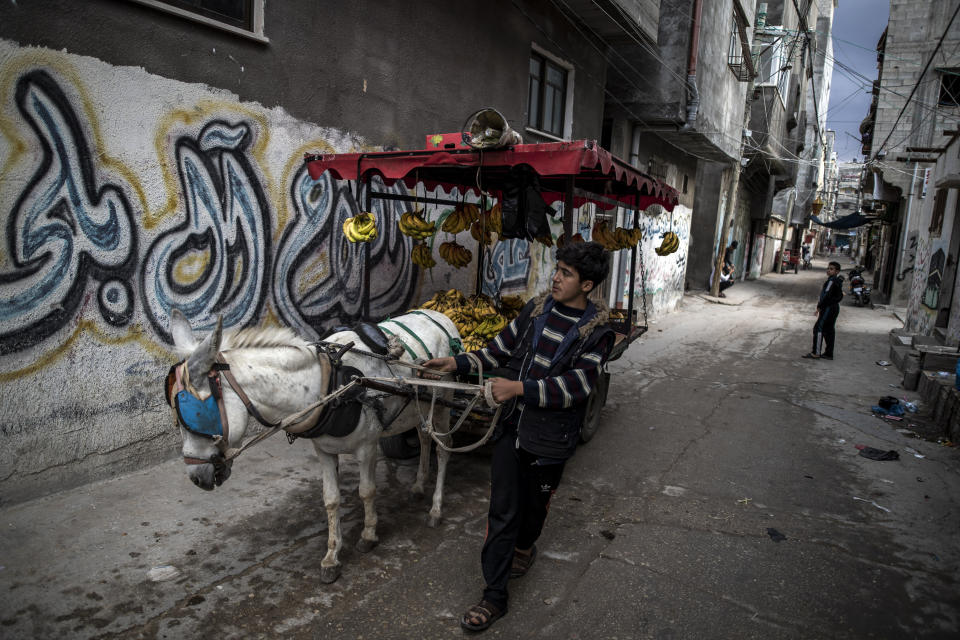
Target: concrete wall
130, 184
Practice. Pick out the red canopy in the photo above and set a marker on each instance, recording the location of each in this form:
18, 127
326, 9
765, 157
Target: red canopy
598, 176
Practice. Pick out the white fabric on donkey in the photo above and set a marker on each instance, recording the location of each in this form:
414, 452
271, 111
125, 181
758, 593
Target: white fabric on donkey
281, 375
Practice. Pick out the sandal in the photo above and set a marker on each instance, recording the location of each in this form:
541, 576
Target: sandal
522, 562
485, 613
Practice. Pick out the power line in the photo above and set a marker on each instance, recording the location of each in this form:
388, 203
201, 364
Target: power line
917, 84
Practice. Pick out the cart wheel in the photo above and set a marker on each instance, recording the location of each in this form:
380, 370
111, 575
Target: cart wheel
796, 268
401, 446
591, 421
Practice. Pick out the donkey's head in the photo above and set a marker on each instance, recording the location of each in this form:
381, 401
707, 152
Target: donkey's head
198, 411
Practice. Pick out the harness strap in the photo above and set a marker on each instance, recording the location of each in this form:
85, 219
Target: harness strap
413, 354
251, 409
455, 345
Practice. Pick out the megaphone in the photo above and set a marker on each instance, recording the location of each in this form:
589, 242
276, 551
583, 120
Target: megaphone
488, 129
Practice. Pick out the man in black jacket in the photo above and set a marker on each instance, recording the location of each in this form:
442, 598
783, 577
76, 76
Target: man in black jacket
828, 308
553, 351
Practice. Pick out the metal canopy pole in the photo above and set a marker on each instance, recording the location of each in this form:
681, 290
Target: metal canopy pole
633, 276
568, 210
365, 305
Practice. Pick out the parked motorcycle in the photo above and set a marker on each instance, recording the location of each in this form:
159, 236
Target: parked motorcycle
858, 287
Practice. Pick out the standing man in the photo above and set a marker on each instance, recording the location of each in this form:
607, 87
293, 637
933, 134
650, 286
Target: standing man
553, 351
828, 308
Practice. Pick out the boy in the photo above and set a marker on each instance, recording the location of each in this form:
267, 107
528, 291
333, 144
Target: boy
553, 351
828, 308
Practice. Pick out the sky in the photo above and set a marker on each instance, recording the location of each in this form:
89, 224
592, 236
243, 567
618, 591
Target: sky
857, 26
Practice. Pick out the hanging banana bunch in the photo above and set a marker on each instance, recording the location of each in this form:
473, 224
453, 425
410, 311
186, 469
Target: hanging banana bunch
462, 217
600, 233
455, 254
670, 244
360, 228
422, 256
413, 224
562, 240
481, 234
546, 240
492, 219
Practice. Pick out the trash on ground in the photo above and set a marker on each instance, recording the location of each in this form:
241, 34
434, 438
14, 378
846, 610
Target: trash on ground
877, 454
944, 374
916, 454
873, 503
163, 572
910, 406
895, 386
744, 501
895, 410
775, 535
883, 363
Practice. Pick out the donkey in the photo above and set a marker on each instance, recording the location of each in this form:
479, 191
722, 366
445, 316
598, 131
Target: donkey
281, 374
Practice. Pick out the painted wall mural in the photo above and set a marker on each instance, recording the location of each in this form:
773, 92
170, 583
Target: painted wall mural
65, 230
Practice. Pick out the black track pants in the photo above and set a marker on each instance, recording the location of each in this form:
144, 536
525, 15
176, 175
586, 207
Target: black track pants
520, 494
823, 331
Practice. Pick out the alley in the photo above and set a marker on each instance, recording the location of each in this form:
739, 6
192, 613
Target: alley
716, 438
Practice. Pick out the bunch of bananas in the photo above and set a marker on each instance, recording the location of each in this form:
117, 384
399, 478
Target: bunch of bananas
360, 228
413, 224
476, 317
492, 219
615, 240
481, 233
422, 256
562, 240
670, 244
510, 306
455, 254
462, 217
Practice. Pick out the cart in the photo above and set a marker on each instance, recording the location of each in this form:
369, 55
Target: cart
790, 260
575, 173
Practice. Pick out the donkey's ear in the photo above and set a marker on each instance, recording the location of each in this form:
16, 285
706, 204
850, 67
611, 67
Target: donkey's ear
201, 360
181, 332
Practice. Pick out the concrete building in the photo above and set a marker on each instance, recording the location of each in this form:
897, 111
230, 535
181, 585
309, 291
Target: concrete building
151, 156
913, 115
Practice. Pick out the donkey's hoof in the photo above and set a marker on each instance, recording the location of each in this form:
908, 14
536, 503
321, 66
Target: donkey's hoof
433, 522
366, 546
329, 574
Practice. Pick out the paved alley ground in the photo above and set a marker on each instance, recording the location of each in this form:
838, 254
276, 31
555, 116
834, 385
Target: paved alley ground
723, 497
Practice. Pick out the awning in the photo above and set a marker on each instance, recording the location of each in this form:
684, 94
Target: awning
594, 170
846, 222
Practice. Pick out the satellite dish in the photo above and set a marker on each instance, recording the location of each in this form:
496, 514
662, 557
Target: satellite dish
488, 129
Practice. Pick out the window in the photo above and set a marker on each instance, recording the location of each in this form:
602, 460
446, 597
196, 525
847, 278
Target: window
243, 17
547, 96
939, 205
739, 58
949, 87
775, 66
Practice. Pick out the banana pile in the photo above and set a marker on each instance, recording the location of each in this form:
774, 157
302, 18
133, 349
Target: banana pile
670, 244
462, 217
360, 228
476, 317
455, 254
562, 240
422, 256
414, 225
615, 240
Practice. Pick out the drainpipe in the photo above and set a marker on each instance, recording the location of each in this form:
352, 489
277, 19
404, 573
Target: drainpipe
693, 96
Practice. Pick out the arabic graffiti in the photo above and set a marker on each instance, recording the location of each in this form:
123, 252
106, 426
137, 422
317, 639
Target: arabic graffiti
65, 230
216, 261
910, 261
319, 275
931, 293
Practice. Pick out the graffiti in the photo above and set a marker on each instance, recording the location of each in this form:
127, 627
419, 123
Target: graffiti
65, 230
916, 318
319, 274
216, 261
931, 293
909, 262
756, 258
506, 266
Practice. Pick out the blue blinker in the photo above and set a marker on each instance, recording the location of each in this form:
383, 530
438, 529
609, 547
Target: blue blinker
199, 416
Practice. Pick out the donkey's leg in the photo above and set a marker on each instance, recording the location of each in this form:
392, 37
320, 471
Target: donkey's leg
442, 419
423, 469
367, 457
330, 565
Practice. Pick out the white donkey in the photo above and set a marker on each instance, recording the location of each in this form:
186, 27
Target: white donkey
281, 374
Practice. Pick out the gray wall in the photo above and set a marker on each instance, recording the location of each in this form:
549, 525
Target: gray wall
422, 75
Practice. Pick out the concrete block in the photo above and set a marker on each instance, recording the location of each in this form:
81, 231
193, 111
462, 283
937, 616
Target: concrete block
929, 386
899, 338
939, 361
920, 340
899, 354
